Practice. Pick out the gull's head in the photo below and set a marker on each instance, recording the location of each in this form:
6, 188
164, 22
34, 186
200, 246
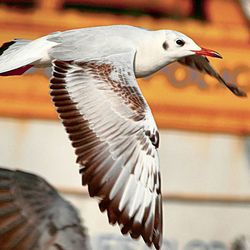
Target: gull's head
159, 48
177, 45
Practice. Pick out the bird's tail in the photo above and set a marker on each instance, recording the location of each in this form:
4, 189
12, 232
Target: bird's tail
11, 62
19, 55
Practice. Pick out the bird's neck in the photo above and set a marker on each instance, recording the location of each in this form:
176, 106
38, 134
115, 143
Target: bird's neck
150, 54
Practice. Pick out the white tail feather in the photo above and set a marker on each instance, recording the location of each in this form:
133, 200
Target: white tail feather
20, 53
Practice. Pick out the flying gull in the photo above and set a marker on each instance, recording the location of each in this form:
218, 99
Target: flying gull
110, 124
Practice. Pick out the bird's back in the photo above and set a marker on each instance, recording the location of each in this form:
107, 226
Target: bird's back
96, 42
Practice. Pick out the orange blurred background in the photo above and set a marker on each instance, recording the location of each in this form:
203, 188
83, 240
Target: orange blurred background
179, 97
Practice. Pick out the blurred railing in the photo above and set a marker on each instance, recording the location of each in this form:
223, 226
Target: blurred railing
236, 200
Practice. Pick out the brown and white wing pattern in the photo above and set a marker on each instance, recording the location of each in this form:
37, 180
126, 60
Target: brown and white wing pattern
115, 139
202, 64
34, 217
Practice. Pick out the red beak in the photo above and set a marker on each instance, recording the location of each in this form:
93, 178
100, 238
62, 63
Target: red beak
207, 52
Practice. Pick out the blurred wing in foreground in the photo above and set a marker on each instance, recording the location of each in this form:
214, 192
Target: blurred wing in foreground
34, 216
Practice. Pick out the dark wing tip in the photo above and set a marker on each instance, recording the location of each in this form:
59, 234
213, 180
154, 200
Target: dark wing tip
128, 225
5, 46
237, 91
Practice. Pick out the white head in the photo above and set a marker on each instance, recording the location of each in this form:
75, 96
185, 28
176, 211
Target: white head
178, 45
159, 48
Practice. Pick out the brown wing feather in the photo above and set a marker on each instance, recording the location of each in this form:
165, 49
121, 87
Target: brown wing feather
105, 117
202, 64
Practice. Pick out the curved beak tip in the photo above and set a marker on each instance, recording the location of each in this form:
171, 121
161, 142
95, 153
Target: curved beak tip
207, 52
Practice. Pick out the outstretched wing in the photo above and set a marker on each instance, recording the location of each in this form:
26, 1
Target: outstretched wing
34, 216
202, 64
116, 139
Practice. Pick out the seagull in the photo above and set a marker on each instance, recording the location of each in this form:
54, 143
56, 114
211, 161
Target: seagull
95, 92
34, 216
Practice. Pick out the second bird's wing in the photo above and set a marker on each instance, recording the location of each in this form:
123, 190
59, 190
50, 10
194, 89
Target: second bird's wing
33, 216
202, 64
115, 138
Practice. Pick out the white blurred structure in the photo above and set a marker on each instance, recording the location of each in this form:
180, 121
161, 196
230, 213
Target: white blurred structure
241, 243
194, 166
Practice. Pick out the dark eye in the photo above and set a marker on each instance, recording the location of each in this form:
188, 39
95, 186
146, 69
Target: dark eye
180, 42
